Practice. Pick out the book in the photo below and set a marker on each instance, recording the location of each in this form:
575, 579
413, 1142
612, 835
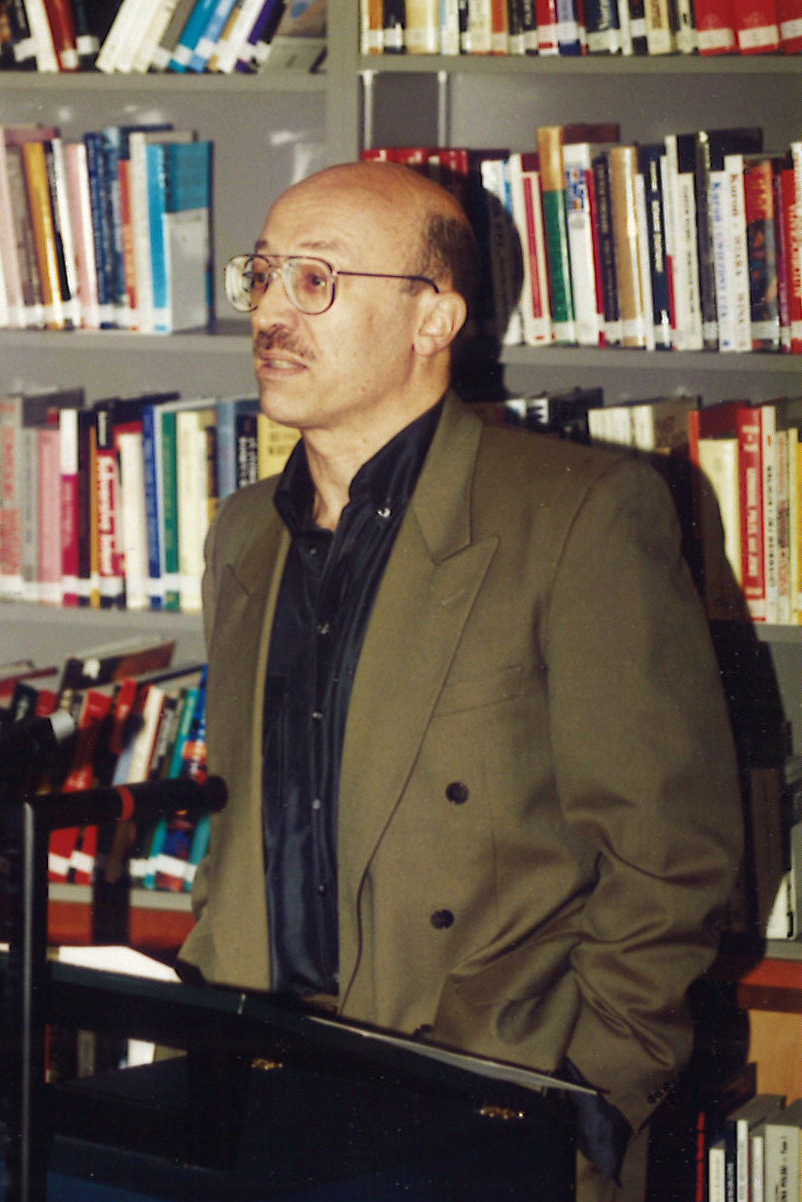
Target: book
583, 240
528, 217
552, 180
42, 36
211, 31
603, 26
230, 453
789, 18
179, 201
781, 1135
753, 572
18, 412
650, 159
679, 192
80, 207
194, 433
166, 464
106, 662
422, 27
168, 41
628, 240
710, 149
756, 26
762, 252
40, 210
737, 1128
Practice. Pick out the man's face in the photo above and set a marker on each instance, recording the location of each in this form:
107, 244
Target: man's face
338, 369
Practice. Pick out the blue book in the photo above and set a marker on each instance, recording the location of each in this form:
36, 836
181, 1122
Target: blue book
190, 34
152, 515
179, 202
100, 199
229, 412
208, 39
157, 199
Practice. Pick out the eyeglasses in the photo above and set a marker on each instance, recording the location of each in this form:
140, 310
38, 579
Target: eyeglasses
310, 284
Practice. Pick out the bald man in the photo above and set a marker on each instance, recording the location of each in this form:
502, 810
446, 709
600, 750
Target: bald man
482, 787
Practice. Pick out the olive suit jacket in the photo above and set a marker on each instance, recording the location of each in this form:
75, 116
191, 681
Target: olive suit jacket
539, 819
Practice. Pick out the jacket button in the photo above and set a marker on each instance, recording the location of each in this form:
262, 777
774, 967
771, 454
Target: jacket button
457, 792
441, 919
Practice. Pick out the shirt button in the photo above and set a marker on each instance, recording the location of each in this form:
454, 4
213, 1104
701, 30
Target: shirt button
324, 627
317, 804
384, 513
441, 920
321, 890
457, 792
317, 715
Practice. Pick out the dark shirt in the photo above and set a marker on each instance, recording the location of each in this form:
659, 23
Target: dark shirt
327, 590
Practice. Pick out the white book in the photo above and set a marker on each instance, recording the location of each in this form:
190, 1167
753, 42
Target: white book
15, 314
156, 25
449, 26
687, 332
737, 256
135, 34
132, 518
528, 218
121, 30
193, 507
477, 38
39, 25
578, 169
63, 214
80, 202
187, 237
495, 181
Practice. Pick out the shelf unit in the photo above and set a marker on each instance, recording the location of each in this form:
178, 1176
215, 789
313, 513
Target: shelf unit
273, 129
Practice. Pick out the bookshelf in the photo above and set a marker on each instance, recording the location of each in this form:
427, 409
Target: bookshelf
272, 129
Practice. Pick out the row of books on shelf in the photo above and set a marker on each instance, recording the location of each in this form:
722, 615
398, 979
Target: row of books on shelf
745, 1144
109, 231
138, 717
220, 36
735, 472
108, 505
690, 243
578, 27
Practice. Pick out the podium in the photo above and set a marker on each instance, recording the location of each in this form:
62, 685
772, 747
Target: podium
270, 1103
267, 1100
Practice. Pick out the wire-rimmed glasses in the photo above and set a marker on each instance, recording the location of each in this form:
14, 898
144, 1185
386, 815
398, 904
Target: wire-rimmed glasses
310, 283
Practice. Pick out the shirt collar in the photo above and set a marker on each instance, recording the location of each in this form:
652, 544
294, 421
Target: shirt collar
386, 480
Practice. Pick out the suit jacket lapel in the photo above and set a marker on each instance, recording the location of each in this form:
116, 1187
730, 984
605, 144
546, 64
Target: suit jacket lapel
424, 599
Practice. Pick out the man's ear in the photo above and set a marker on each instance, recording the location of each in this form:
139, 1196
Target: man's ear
442, 320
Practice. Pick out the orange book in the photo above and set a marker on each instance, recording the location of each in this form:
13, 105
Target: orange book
34, 160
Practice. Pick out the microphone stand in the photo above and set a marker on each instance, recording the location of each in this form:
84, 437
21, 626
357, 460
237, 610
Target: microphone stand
28, 823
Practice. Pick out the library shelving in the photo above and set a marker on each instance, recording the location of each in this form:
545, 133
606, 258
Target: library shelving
272, 129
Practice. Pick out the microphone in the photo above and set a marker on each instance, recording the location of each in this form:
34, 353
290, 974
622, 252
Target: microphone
125, 803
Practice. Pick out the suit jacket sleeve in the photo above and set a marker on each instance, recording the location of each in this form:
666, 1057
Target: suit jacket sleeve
646, 774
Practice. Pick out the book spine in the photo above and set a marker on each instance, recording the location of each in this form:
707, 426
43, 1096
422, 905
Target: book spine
552, 180
155, 579
69, 514
737, 263
581, 245
623, 171
41, 214
762, 254
751, 496
612, 317
101, 225
649, 164
205, 45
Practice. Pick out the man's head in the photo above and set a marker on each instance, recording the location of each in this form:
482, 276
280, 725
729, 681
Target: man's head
379, 352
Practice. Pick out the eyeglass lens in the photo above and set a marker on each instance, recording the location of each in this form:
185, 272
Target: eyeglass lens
308, 282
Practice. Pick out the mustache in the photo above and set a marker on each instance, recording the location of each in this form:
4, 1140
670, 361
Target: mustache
278, 339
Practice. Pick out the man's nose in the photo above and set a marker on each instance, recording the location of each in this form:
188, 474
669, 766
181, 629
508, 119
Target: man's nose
274, 300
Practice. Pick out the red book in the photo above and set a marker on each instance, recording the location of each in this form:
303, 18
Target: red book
790, 270
757, 29
64, 844
789, 14
49, 506
62, 27
753, 568
715, 26
548, 27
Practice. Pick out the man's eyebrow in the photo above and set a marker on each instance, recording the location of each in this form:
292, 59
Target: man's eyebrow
310, 246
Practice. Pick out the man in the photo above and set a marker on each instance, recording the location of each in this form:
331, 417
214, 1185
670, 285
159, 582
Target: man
481, 780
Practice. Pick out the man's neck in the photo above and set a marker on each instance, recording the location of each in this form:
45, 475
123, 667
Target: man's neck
334, 458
